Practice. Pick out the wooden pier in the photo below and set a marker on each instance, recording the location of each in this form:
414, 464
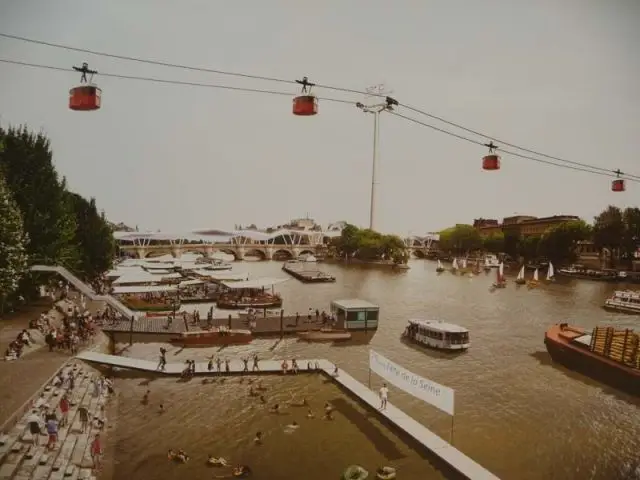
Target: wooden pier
299, 271
270, 326
457, 460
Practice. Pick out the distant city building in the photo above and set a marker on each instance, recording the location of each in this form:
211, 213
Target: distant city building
524, 225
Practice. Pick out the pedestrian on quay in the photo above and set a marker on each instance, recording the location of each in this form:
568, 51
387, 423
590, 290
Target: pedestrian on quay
245, 361
64, 410
255, 363
384, 396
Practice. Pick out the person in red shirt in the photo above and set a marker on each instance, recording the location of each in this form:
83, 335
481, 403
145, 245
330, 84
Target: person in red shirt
64, 410
96, 451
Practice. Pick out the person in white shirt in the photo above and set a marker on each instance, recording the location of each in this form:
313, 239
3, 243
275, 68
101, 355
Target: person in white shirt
35, 423
384, 396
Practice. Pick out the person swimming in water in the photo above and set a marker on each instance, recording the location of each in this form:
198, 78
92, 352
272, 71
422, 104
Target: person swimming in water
275, 408
310, 414
258, 438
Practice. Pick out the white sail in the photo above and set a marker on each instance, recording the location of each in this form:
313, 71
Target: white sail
521, 274
464, 263
501, 271
535, 275
550, 272
454, 264
439, 264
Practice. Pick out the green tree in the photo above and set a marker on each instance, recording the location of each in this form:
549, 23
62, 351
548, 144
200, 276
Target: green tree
512, 241
460, 239
366, 244
92, 236
609, 231
631, 239
528, 247
560, 242
494, 243
13, 258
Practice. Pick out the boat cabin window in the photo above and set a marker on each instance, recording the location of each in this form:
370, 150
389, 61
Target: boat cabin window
457, 338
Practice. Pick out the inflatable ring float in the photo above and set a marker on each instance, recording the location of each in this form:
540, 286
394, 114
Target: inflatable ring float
355, 472
242, 471
386, 473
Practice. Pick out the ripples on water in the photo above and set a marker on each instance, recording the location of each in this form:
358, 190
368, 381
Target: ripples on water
221, 419
517, 414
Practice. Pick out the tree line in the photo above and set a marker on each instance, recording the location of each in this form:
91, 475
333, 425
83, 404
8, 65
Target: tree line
367, 245
615, 230
42, 221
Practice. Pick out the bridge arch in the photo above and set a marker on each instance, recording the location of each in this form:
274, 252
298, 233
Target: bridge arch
228, 251
282, 254
255, 252
157, 252
306, 252
193, 251
419, 253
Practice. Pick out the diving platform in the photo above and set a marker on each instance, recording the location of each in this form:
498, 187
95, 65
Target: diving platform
457, 460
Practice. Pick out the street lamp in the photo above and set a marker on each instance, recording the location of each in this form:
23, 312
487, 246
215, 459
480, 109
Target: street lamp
376, 109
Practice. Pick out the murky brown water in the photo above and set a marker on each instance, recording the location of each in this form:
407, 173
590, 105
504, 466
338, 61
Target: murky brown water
516, 414
202, 420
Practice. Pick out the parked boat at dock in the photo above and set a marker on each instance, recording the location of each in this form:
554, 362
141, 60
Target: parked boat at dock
209, 338
608, 355
305, 273
250, 294
625, 301
437, 334
325, 335
578, 271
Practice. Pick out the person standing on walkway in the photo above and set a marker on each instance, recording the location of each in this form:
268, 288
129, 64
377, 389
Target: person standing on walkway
64, 410
384, 396
255, 362
96, 451
163, 360
52, 430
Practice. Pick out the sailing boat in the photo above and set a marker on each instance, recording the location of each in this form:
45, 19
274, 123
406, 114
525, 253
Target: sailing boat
454, 265
439, 268
535, 280
520, 280
550, 273
476, 269
464, 263
500, 280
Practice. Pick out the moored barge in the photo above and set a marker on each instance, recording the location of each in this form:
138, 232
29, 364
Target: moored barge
608, 355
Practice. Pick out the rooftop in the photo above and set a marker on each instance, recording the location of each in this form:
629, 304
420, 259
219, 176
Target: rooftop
354, 304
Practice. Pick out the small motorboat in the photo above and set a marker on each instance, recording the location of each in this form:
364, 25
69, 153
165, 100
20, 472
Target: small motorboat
386, 473
325, 335
355, 472
242, 471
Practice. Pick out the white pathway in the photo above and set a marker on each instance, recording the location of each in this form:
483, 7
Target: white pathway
447, 452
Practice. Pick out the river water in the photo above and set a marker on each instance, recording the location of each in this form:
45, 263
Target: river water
516, 414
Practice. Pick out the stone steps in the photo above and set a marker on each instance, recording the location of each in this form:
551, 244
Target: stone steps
71, 458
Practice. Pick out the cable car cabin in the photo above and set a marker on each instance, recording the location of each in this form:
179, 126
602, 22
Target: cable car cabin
305, 105
618, 185
85, 98
491, 162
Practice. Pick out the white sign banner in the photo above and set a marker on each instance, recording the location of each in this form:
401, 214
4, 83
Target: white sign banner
431, 392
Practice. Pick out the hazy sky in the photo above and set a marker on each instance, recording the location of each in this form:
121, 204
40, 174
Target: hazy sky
558, 77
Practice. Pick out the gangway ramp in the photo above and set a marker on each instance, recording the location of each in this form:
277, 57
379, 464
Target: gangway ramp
86, 290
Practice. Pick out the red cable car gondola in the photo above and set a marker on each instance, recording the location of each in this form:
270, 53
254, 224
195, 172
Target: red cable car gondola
491, 161
87, 96
618, 184
306, 104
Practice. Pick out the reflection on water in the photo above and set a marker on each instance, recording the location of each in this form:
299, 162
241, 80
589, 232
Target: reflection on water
516, 413
221, 419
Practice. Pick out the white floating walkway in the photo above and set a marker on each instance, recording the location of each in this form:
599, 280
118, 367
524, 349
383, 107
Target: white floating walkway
447, 452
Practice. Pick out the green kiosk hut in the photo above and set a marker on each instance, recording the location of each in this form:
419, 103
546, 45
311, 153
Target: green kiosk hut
356, 314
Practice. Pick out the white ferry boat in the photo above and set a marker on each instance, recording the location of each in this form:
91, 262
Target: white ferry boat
626, 301
438, 334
